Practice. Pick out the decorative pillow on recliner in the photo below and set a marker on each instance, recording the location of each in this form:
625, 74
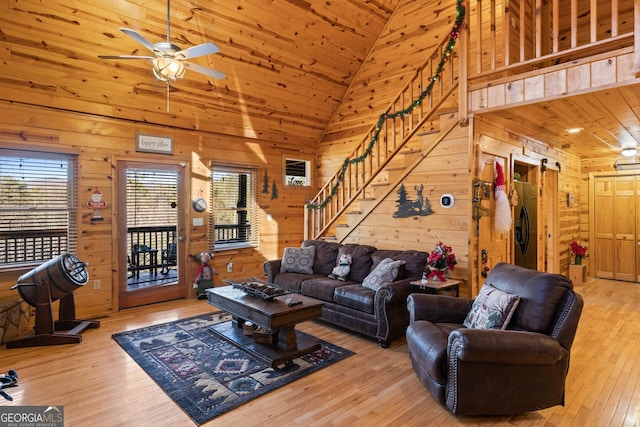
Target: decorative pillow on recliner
298, 260
492, 309
386, 271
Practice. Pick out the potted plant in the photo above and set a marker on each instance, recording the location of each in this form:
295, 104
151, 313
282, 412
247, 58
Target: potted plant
578, 251
577, 271
440, 260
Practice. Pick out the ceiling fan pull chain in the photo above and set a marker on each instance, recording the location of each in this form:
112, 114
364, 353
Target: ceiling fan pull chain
168, 90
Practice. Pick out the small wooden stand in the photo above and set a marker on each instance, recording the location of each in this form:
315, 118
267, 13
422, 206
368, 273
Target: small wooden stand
450, 287
45, 331
578, 274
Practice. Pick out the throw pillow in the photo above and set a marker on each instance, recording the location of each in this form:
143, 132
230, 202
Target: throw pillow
298, 260
492, 309
385, 272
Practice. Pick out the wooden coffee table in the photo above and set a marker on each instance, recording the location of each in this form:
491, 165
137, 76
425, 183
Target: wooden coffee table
275, 316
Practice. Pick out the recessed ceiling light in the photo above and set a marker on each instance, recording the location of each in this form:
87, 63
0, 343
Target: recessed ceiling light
629, 152
574, 130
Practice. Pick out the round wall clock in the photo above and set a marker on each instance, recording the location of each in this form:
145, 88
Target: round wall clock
199, 204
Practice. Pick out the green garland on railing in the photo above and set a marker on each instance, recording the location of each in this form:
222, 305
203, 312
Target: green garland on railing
453, 36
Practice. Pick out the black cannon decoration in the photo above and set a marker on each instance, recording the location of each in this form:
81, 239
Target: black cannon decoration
54, 280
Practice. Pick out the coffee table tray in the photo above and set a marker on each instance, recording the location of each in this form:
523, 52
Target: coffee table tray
259, 289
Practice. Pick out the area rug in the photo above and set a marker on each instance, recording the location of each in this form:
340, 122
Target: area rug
205, 375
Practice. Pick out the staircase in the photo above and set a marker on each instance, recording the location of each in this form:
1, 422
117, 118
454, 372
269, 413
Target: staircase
353, 188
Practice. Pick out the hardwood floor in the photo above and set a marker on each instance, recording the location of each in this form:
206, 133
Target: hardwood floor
98, 384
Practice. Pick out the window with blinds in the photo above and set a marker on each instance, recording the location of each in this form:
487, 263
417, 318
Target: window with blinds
233, 214
38, 213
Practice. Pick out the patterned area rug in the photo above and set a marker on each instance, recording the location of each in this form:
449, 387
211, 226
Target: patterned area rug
205, 375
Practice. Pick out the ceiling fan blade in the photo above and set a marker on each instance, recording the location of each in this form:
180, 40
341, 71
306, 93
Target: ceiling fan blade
137, 37
124, 57
204, 70
195, 51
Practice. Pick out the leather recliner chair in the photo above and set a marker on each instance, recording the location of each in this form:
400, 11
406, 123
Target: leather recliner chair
493, 371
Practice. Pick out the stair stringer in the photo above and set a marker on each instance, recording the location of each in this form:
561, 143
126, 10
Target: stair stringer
367, 206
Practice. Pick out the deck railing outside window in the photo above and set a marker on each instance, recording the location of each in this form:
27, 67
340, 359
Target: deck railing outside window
32, 245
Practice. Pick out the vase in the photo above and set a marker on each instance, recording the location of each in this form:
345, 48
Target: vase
437, 273
578, 259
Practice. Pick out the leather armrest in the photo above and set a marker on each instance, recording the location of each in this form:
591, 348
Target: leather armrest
503, 346
438, 308
272, 268
396, 291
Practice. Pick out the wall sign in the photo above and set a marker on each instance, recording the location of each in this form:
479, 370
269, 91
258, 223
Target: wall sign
154, 144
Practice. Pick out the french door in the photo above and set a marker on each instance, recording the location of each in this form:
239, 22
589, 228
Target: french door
150, 233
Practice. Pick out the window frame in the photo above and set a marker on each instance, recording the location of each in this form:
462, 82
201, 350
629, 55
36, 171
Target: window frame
307, 170
71, 209
252, 208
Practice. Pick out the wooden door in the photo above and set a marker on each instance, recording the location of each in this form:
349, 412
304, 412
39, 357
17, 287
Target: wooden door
615, 222
150, 252
551, 225
494, 244
603, 227
625, 218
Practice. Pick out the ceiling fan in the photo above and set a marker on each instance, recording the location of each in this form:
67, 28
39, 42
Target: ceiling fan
170, 62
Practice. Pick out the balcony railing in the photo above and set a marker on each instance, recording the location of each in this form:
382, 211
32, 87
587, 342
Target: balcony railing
151, 248
30, 246
232, 233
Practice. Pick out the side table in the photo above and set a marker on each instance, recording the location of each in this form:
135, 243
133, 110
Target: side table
434, 286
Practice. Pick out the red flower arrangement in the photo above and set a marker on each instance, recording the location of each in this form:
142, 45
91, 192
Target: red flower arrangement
578, 251
440, 259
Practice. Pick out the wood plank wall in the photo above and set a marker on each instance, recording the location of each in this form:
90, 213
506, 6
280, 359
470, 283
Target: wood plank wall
498, 140
100, 143
411, 34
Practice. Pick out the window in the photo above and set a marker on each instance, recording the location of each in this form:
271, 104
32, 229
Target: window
234, 218
38, 217
297, 172
152, 211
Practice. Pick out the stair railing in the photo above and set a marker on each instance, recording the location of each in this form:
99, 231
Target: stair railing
393, 134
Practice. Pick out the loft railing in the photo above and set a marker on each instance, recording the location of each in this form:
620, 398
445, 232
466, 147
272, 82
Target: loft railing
392, 137
518, 36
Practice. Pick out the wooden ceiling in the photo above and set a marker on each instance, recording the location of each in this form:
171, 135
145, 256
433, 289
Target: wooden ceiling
288, 63
610, 121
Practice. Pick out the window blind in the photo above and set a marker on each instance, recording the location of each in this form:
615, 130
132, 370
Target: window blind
38, 207
151, 197
233, 215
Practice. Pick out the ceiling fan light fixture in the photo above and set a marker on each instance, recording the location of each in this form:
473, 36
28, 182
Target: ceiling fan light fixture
168, 69
629, 152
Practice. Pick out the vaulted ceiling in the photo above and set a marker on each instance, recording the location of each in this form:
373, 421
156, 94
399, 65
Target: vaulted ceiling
289, 65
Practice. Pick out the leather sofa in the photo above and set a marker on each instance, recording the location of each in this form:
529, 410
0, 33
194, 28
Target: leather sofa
380, 314
507, 371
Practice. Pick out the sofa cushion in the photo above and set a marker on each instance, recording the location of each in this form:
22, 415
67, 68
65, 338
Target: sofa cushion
355, 296
385, 272
361, 260
298, 260
416, 261
326, 255
492, 309
293, 281
321, 288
